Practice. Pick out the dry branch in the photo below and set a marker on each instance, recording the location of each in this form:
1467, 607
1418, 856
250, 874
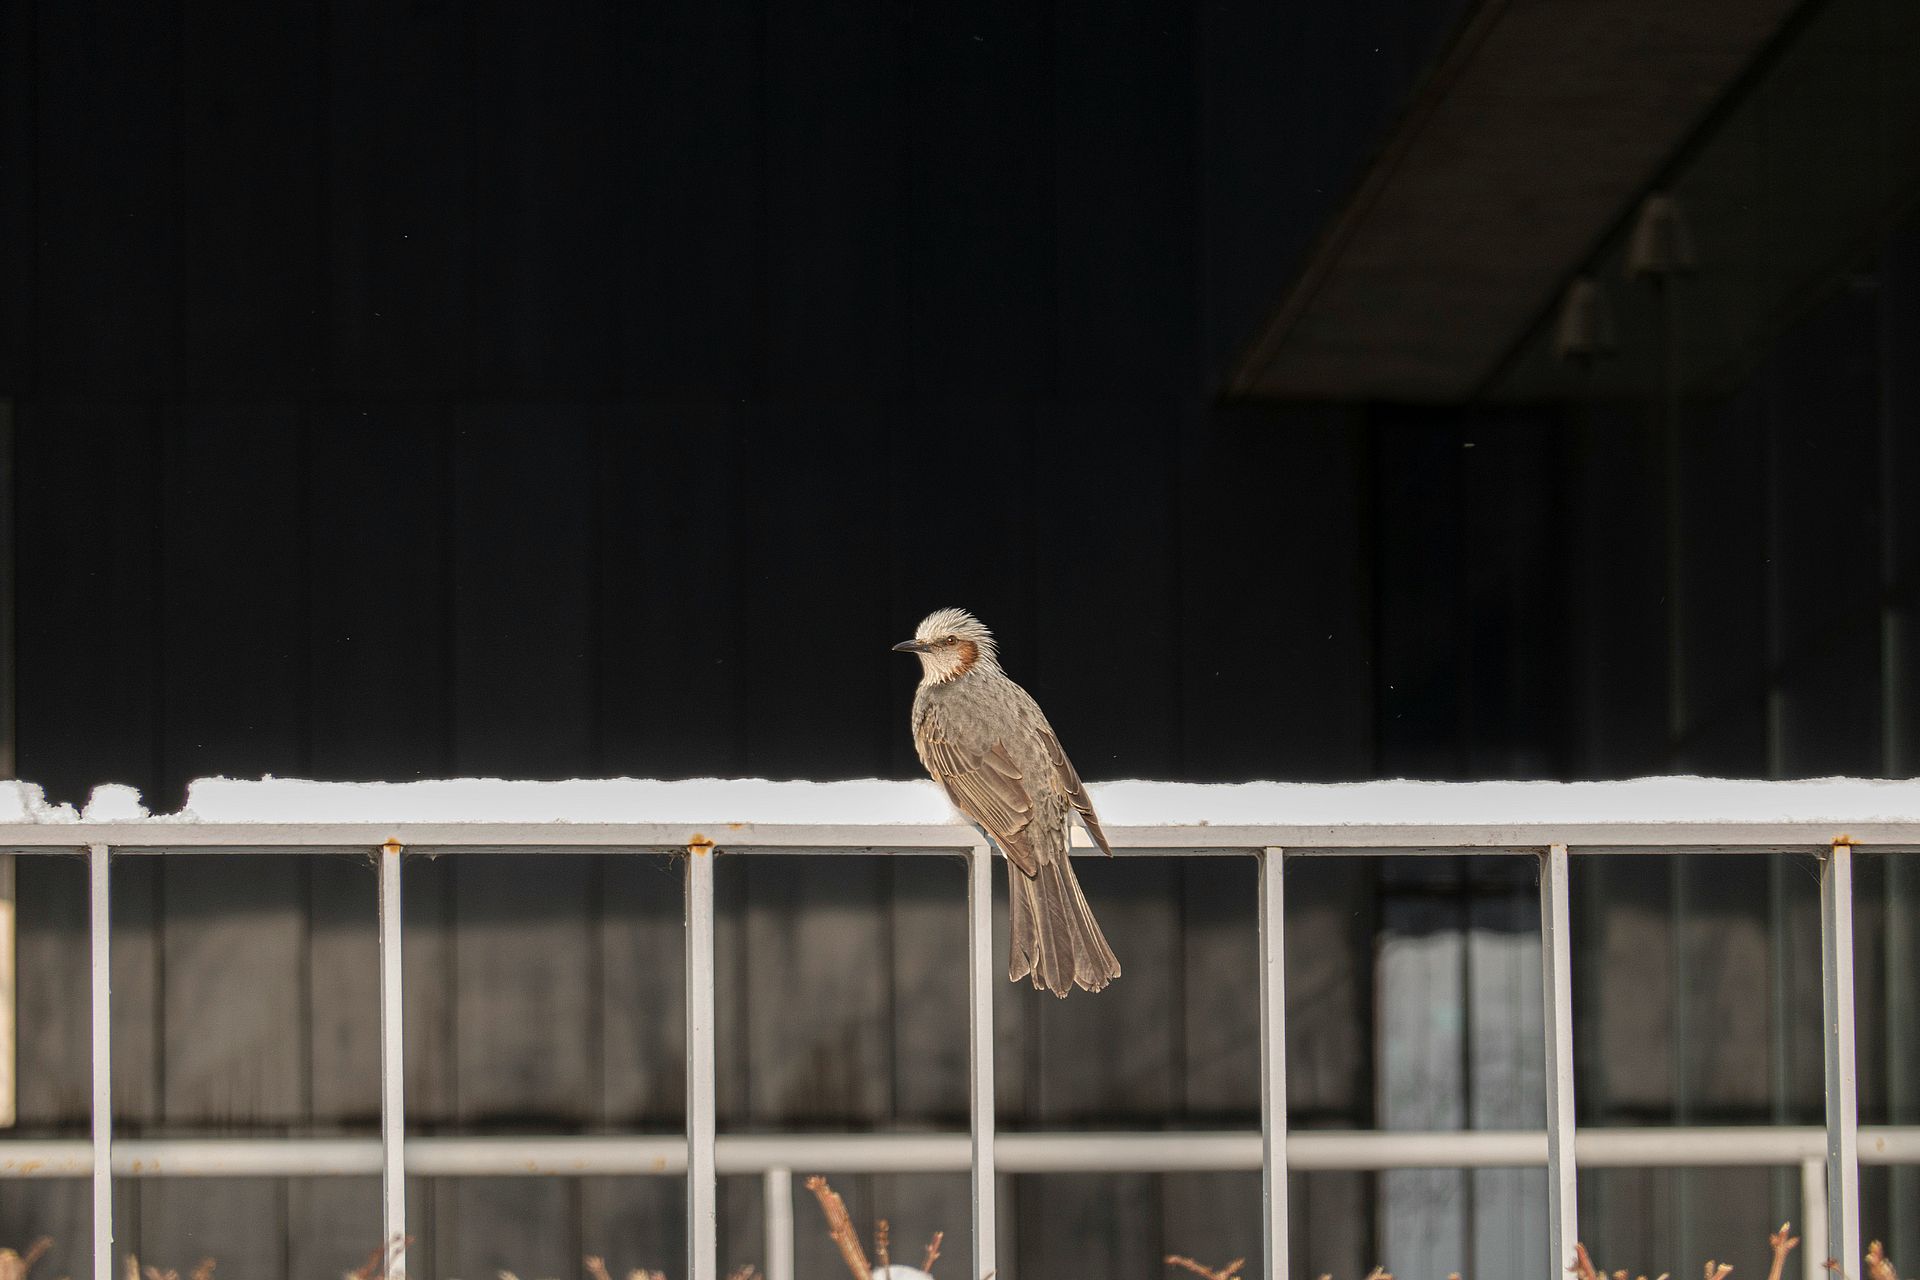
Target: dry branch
1229, 1272
14, 1266
597, 1269
379, 1262
933, 1251
840, 1227
1783, 1244
374, 1268
1878, 1267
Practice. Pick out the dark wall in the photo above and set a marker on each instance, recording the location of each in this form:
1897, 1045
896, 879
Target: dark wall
419, 390
443, 389
423, 390
551, 590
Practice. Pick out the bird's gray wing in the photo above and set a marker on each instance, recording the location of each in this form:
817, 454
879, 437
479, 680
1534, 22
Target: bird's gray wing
1067, 779
988, 788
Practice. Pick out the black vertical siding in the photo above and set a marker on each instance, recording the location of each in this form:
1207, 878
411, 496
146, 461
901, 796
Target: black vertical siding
420, 390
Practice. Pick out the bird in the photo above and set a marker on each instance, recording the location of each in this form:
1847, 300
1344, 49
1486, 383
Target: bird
985, 740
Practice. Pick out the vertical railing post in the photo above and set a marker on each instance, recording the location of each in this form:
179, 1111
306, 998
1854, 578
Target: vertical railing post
703, 1246
1556, 992
1813, 1227
1273, 1062
1900, 1012
393, 1104
9, 986
776, 1187
1836, 989
100, 952
980, 1103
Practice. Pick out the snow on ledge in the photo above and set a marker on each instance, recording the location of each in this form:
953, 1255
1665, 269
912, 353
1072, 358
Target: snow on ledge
872, 802
699, 800
1479, 804
27, 802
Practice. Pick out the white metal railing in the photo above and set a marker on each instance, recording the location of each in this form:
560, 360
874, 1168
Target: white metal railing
1829, 1162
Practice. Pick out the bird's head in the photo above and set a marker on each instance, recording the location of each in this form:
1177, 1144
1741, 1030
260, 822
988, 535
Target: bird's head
950, 643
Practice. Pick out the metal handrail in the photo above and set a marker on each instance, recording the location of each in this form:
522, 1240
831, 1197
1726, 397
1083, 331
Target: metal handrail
702, 1154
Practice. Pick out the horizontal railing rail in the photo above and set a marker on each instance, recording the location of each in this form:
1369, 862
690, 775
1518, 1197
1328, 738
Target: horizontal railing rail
1829, 1159
950, 1151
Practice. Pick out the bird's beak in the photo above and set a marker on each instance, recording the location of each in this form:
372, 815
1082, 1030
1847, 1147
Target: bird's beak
911, 646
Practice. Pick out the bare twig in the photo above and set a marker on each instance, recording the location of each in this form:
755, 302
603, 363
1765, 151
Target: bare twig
597, 1269
933, 1251
1583, 1264
840, 1227
881, 1232
381, 1260
1228, 1272
1878, 1266
1783, 1244
14, 1266
1717, 1270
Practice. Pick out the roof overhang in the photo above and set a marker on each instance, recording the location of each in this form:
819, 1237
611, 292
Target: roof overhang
1540, 124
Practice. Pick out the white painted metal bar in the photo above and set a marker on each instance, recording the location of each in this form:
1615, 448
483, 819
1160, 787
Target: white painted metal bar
776, 1187
703, 1246
1556, 988
99, 946
1273, 1063
701, 1155
1211, 1150
1901, 1014
1843, 1149
1813, 1230
982, 1145
9, 991
835, 839
393, 1106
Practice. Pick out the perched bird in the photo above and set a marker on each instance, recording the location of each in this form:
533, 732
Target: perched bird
985, 740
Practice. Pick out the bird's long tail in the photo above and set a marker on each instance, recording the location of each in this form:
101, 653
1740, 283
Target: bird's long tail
1054, 935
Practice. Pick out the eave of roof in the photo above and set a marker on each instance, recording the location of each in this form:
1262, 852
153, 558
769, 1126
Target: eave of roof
1540, 124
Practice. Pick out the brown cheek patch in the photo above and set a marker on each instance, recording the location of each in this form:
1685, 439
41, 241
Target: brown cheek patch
969, 654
